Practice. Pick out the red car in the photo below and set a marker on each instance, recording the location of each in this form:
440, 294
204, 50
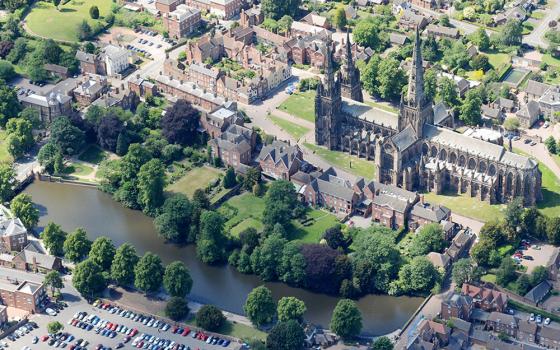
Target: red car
186, 332
134, 332
75, 322
140, 344
44, 338
109, 325
174, 329
114, 326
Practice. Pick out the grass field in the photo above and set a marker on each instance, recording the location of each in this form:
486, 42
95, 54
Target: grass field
194, 179
237, 330
4, 154
548, 59
467, 206
550, 204
246, 211
62, 24
93, 154
296, 131
77, 169
537, 14
301, 105
349, 163
497, 60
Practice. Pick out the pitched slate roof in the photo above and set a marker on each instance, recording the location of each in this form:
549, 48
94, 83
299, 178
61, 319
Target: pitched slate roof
539, 292
405, 138
333, 186
434, 213
12, 227
440, 113
438, 259
536, 88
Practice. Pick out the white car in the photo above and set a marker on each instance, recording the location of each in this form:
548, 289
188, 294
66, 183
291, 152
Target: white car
50, 311
547, 321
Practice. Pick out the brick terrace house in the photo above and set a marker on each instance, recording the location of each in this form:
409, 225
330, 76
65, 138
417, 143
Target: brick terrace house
391, 205
91, 63
251, 17
332, 192
280, 160
216, 122
27, 295
142, 87
485, 298
35, 260
423, 213
460, 244
90, 89
14, 234
457, 306
234, 146
553, 266
182, 21
502, 323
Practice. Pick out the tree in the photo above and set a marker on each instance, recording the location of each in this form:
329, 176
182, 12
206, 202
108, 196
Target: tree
506, 272
148, 273
539, 274
58, 163
285, 23
151, 181
53, 239
523, 284
511, 34
266, 257
369, 75
123, 265
134, 159
9, 103
550, 144
252, 177
391, 79
102, 252
335, 238
366, 33
20, 136
176, 308
47, 155
210, 318
53, 281
88, 278
108, 131
200, 199
229, 178
382, 343
553, 230
444, 21
286, 336
346, 320
66, 136
7, 71
54, 327
511, 124
480, 62
513, 217
210, 246
276, 10
339, 17
292, 265
448, 92
430, 83
470, 112
482, 253
31, 115
175, 219
84, 31
259, 306
76, 245
456, 56
480, 38
430, 49
177, 279
321, 268
280, 200
465, 271
418, 276
429, 239
23, 208
180, 122
290, 308
94, 12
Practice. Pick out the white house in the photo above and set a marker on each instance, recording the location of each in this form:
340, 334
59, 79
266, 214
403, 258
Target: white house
116, 59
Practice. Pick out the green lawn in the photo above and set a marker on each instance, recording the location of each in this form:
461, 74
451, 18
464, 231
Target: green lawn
246, 211
548, 59
489, 277
77, 169
237, 330
497, 60
93, 154
301, 105
467, 206
537, 14
527, 28
296, 131
349, 163
382, 105
4, 154
194, 179
46, 21
550, 204
313, 233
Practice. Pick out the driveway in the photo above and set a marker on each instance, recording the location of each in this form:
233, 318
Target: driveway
536, 37
540, 256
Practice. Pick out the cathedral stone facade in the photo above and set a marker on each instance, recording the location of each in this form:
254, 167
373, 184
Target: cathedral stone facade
412, 150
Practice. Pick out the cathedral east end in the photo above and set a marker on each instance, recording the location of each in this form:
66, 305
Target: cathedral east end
416, 151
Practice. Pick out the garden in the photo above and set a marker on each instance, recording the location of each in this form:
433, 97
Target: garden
48, 21
194, 179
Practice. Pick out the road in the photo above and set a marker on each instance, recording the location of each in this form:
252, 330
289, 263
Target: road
536, 37
465, 27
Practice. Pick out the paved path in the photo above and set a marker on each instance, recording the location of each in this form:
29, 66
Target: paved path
536, 37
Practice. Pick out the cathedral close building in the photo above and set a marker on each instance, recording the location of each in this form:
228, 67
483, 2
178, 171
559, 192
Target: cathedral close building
412, 150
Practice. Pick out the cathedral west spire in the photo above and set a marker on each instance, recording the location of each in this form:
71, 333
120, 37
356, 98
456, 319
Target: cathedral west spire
415, 94
351, 84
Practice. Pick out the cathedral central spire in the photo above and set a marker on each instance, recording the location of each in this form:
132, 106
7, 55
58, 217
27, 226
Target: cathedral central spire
415, 95
329, 67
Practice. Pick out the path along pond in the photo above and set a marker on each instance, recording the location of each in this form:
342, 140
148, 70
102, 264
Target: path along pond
73, 206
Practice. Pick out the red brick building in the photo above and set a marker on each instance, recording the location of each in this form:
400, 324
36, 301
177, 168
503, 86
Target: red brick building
331, 192
485, 298
235, 146
27, 295
142, 87
457, 306
423, 213
280, 160
182, 21
14, 234
166, 6
225, 9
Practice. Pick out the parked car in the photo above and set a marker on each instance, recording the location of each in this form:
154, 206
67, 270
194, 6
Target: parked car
50, 311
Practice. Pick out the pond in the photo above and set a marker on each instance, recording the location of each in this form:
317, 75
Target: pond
74, 206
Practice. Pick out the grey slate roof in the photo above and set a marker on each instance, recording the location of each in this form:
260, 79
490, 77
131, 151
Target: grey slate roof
395, 203
12, 227
440, 113
396, 38
493, 113
405, 138
362, 111
205, 71
461, 325
475, 146
43, 260
539, 292
433, 213
280, 152
530, 111
536, 88
333, 186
